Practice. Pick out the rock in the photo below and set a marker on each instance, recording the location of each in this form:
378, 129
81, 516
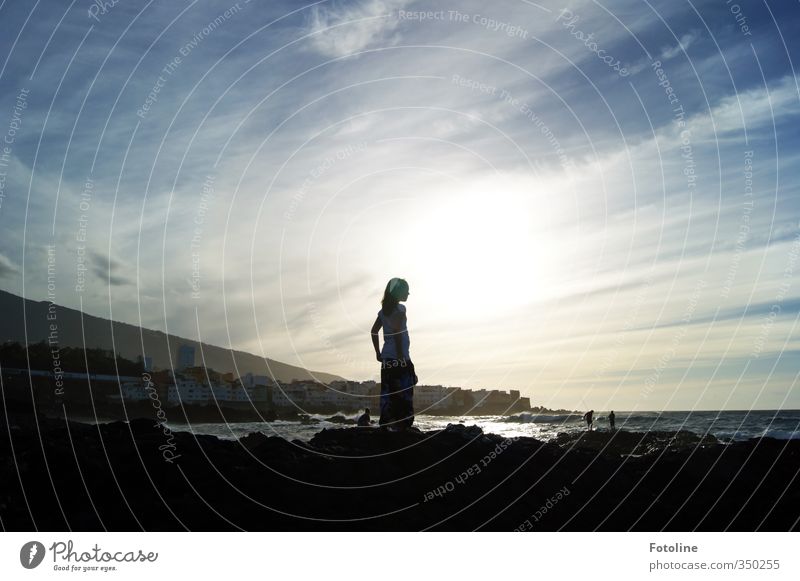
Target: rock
116, 477
340, 419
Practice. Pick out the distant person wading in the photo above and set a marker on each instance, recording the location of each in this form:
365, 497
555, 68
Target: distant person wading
397, 371
588, 417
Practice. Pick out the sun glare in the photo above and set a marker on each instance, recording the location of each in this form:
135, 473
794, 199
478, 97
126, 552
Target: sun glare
483, 253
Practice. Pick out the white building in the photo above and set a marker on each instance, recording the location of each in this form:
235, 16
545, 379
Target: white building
289, 395
432, 397
133, 391
479, 397
231, 392
188, 391
336, 398
221, 392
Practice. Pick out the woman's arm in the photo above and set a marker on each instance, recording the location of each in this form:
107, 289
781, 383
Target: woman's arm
374, 334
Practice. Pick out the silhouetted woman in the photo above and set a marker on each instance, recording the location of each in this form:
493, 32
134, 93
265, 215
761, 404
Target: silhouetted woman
397, 370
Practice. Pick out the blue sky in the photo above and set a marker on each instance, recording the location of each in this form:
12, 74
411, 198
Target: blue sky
605, 221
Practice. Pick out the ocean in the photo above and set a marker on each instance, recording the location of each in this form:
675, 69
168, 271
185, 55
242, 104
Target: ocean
726, 426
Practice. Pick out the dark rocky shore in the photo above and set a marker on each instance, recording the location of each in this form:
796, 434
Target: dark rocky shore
58, 476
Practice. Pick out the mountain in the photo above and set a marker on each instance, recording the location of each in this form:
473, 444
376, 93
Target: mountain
128, 340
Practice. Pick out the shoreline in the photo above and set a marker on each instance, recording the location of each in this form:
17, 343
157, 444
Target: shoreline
546, 425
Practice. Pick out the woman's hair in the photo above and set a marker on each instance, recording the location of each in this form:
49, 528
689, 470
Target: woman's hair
394, 288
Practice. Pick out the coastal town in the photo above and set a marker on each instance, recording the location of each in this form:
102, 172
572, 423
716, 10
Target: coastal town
206, 393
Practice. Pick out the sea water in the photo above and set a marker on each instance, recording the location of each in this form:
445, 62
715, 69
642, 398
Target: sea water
726, 426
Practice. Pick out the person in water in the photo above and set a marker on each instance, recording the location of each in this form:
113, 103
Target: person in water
364, 420
612, 419
397, 371
588, 417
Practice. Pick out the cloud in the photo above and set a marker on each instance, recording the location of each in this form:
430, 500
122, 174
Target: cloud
105, 268
7, 267
759, 108
340, 31
667, 52
683, 45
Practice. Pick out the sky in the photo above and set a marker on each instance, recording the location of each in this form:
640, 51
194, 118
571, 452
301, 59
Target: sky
595, 203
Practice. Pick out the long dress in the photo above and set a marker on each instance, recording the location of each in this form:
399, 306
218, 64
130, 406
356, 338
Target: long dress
397, 374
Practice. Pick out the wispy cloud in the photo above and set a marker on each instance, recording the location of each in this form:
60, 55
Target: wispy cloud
342, 29
683, 45
109, 269
7, 267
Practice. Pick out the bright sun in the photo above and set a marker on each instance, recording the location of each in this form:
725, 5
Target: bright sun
482, 253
